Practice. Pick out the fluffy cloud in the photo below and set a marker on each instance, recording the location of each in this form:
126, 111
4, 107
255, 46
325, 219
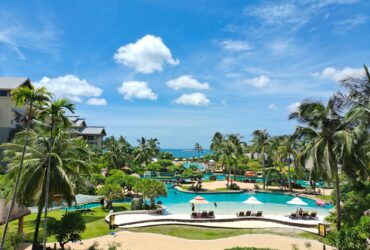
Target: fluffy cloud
338, 74
97, 101
136, 90
70, 86
235, 45
261, 81
186, 82
273, 106
194, 99
293, 107
146, 55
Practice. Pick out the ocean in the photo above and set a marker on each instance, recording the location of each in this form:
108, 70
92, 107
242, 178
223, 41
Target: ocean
186, 153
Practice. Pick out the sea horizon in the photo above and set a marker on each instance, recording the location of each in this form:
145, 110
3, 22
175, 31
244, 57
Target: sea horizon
185, 153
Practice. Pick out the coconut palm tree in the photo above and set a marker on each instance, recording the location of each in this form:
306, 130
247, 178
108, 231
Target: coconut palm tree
69, 160
143, 152
53, 115
236, 139
261, 143
227, 156
198, 148
118, 152
216, 144
330, 140
153, 144
287, 152
24, 95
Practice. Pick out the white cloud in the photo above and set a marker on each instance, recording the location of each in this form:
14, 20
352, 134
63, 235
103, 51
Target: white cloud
235, 45
273, 106
337, 74
194, 99
146, 55
186, 82
261, 81
293, 107
97, 101
136, 90
70, 86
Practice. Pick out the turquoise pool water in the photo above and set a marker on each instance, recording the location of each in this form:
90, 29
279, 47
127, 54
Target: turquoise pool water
177, 202
199, 166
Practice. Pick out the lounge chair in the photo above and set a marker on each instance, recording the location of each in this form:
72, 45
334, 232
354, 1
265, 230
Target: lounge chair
293, 216
204, 214
305, 215
211, 214
313, 215
258, 214
248, 213
194, 215
240, 214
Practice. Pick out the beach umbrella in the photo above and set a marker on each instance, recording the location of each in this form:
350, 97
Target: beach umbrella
252, 201
198, 200
297, 201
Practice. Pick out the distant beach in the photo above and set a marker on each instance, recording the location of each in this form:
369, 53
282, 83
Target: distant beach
186, 153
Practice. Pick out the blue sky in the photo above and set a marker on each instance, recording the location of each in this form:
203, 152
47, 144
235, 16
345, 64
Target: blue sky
182, 70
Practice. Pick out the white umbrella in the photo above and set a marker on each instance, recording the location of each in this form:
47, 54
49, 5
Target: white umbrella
198, 200
297, 201
252, 201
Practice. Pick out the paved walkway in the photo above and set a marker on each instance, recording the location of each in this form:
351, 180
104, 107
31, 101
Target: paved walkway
145, 241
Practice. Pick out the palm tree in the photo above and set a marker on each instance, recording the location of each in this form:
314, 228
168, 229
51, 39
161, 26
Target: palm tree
261, 143
143, 152
287, 151
153, 144
54, 114
228, 158
216, 144
238, 147
118, 152
198, 148
24, 95
330, 140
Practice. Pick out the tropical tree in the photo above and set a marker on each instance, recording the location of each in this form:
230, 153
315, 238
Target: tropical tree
288, 154
145, 151
29, 96
53, 116
69, 161
331, 141
111, 192
227, 156
151, 189
260, 144
198, 148
154, 147
118, 152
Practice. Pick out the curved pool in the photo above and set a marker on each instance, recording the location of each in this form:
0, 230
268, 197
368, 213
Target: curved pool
177, 202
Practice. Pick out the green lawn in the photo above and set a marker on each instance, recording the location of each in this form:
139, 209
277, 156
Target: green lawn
95, 224
203, 233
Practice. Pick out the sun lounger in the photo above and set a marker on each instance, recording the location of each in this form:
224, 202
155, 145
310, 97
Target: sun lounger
194, 215
204, 214
211, 214
313, 215
248, 213
293, 216
305, 215
240, 214
258, 214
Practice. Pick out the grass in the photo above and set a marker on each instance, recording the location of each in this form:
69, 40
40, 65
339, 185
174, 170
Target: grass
206, 233
95, 224
326, 198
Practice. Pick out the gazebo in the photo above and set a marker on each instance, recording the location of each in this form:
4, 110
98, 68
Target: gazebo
126, 169
18, 213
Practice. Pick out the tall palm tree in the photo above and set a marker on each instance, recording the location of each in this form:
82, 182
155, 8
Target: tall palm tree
143, 152
118, 152
330, 140
153, 145
29, 96
198, 148
54, 115
216, 144
228, 158
238, 147
261, 143
287, 151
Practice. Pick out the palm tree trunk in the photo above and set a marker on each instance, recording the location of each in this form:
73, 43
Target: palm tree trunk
48, 184
38, 218
17, 180
264, 171
337, 193
289, 180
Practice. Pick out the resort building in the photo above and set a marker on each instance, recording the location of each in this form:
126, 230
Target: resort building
92, 134
11, 116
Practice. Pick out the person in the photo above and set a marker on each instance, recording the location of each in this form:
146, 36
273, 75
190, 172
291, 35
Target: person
215, 204
192, 207
102, 202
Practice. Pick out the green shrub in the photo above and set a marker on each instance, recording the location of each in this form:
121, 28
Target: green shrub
213, 178
234, 186
137, 204
68, 228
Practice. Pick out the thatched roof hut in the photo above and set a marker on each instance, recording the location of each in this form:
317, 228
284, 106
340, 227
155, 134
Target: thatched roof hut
18, 213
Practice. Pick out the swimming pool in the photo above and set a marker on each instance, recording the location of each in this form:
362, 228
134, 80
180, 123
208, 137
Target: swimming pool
177, 202
199, 166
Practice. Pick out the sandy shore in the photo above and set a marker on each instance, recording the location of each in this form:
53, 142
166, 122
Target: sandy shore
144, 241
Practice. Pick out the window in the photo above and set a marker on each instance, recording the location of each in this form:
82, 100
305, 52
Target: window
90, 138
4, 92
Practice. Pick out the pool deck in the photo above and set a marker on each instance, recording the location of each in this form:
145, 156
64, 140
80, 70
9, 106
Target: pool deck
220, 221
